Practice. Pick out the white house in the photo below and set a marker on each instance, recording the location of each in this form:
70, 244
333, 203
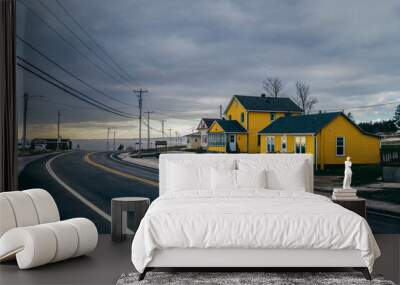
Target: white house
203, 127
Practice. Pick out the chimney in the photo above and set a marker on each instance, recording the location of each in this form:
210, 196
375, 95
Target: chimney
262, 95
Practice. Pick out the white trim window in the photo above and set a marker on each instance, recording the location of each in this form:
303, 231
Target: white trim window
340, 146
300, 144
273, 117
283, 143
270, 144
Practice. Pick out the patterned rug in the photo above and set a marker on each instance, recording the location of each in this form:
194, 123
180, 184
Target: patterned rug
230, 278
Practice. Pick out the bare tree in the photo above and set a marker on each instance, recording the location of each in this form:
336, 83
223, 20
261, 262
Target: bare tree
303, 97
350, 116
273, 86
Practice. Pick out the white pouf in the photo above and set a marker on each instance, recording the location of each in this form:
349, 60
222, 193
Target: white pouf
31, 232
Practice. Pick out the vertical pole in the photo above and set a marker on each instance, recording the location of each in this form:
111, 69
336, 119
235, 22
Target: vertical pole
220, 111
140, 121
148, 130
108, 137
140, 99
58, 129
162, 127
26, 98
114, 142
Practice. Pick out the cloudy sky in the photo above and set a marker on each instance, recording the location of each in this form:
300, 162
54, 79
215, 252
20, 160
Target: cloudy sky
193, 56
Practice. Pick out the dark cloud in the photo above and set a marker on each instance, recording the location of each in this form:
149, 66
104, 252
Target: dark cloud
193, 55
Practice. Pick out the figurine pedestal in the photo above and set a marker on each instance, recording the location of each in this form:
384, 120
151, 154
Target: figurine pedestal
344, 194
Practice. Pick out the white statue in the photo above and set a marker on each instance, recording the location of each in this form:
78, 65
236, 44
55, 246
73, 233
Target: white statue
347, 173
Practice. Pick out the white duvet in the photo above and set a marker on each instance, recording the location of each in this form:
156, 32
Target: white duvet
250, 219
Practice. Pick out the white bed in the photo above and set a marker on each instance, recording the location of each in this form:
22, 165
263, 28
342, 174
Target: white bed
283, 224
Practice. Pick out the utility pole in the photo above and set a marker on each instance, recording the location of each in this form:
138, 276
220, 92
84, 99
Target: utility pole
58, 129
220, 111
148, 128
26, 98
114, 142
25, 116
169, 138
108, 134
140, 99
162, 127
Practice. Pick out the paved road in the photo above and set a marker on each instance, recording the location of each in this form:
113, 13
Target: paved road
99, 177
94, 184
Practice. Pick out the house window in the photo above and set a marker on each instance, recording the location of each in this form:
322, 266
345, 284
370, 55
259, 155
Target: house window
339, 146
242, 117
258, 140
288, 114
216, 139
273, 116
284, 144
270, 144
300, 144
230, 117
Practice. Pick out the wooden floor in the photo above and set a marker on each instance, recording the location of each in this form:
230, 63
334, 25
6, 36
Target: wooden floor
110, 260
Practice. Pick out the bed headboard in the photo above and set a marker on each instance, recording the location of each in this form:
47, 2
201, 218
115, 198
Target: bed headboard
272, 160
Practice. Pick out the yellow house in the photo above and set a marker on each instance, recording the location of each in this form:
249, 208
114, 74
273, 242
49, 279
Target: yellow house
330, 137
254, 113
227, 136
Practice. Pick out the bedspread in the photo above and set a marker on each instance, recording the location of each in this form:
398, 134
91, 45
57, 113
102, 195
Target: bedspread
250, 219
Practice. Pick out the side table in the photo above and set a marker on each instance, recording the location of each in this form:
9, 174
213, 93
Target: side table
357, 205
119, 208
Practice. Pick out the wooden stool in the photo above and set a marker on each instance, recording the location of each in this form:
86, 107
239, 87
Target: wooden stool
119, 208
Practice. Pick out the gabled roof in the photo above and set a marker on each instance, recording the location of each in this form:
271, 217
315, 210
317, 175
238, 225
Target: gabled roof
230, 126
305, 124
259, 103
207, 121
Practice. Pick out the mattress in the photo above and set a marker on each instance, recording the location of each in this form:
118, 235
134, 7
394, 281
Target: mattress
250, 219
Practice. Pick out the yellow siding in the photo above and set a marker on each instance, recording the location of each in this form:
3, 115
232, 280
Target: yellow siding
215, 128
234, 110
290, 143
362, 148
216, 148
241, 140
257, 122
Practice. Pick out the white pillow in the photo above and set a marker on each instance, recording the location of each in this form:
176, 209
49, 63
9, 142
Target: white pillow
251, 178
223, 179
282, 174
293, 179
184, 177
194, 175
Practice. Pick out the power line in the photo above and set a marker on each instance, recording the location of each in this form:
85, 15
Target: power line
94, 41
62, 83
69, 72
70, 44
365, 106
70, 93
66, 105
79, 39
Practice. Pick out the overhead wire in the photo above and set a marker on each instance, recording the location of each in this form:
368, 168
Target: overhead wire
70, 44
69, 72
95, 42
79, 39
71, 91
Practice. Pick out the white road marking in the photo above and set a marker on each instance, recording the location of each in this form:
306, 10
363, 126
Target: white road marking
75, 193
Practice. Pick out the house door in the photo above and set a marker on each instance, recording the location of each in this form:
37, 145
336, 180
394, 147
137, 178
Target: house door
232, 142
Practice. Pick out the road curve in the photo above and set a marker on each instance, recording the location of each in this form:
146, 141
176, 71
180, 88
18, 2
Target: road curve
89, 182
